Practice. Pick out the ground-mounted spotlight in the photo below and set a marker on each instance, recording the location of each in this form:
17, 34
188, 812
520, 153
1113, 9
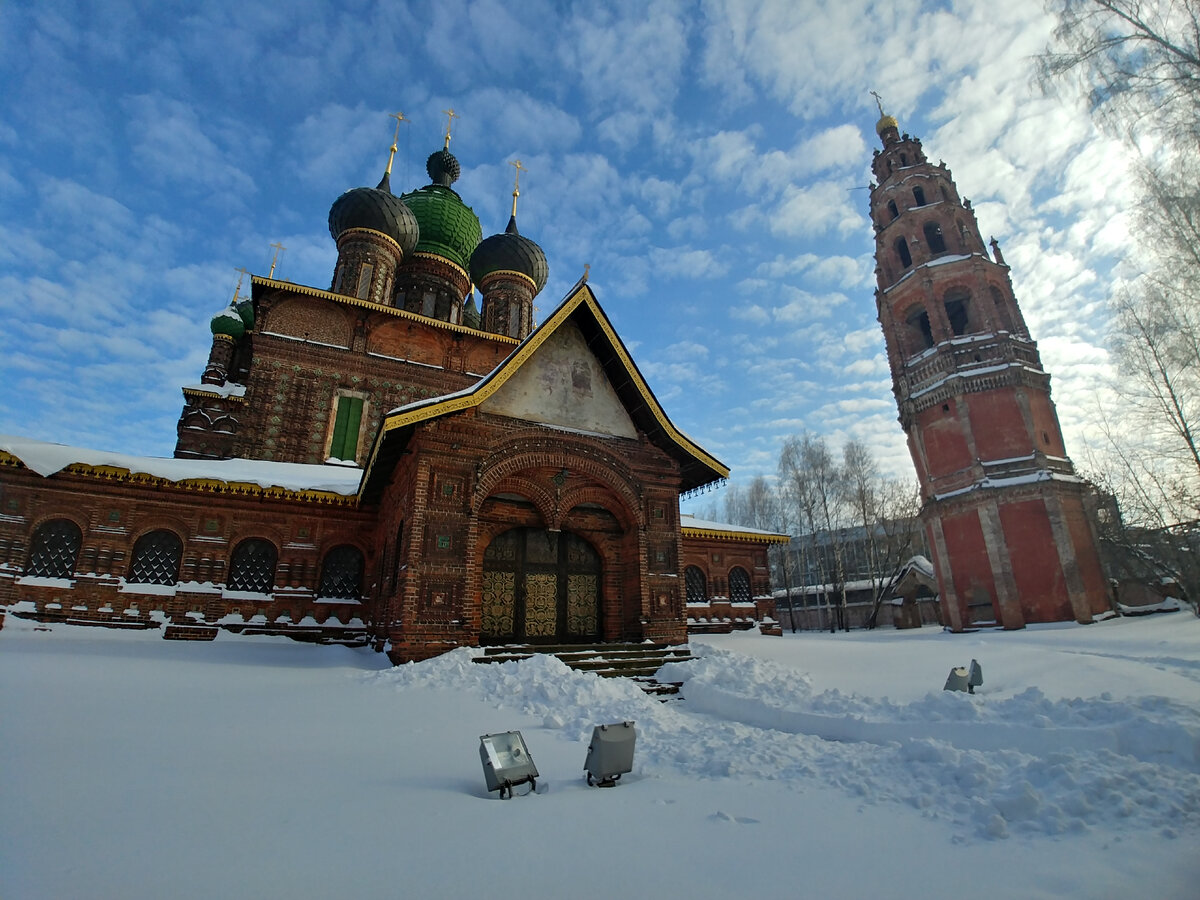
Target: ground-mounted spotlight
506, 762
610, 754
974, 676
957, 680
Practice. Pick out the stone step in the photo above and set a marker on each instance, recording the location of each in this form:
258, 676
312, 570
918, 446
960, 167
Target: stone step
639, 662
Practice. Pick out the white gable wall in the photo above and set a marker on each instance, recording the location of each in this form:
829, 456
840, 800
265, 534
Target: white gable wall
563, 384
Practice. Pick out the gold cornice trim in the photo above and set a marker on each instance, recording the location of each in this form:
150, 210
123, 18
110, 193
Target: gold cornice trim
387, 237
499, 272
225, 337
210, 485
688, 531
380, 308
425, 254
198, 392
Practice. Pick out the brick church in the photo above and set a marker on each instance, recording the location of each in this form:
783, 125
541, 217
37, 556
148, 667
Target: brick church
391, 459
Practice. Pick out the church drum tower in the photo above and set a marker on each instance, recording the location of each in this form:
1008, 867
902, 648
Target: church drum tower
1004, 512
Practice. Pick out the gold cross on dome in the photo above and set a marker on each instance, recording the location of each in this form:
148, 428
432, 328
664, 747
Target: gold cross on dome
451, 115
878, 101
279, 248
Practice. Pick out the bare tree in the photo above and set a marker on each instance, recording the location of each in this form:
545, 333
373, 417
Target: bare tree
1137, 61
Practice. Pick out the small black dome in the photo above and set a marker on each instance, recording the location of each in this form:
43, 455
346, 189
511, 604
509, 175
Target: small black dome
510, 252
378, 210
443, 168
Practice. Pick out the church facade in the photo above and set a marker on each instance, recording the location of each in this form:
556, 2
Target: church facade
386, 458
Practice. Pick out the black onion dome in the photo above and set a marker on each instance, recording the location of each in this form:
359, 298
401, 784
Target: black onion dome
443, 168
378, 210
510, 252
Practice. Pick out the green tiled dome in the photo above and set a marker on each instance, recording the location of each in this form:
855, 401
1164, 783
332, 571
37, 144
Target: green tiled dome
228, 322
448, 227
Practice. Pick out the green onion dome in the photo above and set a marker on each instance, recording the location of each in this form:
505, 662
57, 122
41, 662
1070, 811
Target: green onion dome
229, 323
448, 227
245, 309
377, 209
511, 252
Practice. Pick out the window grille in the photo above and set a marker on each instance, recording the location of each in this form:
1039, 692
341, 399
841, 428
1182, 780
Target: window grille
156, 558
697, 585
341, 574
252, 566
55, 547
739, 585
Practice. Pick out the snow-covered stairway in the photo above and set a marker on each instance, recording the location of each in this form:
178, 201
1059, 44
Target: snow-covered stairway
620, 660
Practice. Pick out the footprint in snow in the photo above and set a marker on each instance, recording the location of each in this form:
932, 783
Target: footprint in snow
720, 816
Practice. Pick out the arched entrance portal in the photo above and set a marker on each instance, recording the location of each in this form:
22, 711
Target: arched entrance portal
540, 586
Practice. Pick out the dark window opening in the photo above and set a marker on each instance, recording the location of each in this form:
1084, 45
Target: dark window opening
252, 566
54, 549
958, 313
904, 159
739, 585
902, 252
895, 213
156, 558
697, 585
934, 238
919, 196
1002, 311
919, 323
341, 574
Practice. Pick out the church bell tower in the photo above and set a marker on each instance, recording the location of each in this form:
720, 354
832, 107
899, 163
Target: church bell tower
1003, 509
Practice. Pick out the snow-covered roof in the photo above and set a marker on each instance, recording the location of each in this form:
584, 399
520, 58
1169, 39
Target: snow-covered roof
46, 459
691, 523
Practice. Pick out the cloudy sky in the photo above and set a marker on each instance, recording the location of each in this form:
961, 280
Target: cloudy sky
708, 159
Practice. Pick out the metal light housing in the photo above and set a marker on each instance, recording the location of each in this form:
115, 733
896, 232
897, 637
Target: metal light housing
610, 753
506, 762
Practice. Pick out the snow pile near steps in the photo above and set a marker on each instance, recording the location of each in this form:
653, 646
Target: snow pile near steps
990, 767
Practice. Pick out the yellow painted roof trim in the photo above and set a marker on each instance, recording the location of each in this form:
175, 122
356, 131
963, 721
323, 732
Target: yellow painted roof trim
378, 307
499, 272
198, 392
202, 485
720, 535
470, 398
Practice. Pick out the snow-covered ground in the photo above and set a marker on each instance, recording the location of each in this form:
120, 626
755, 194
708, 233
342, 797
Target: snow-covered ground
810, 765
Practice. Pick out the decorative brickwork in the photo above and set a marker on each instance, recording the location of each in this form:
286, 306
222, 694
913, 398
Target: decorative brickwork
1003, 508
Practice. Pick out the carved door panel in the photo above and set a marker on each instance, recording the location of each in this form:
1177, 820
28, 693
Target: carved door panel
540, 586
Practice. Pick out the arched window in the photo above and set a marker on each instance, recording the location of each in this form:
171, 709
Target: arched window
958, 311
904, 159
156, 557
902, 252
697, 585
895, 213
341, 574
933, 238
739, 585
1002, 312
252, 566
919, 195
920, 334
54, 549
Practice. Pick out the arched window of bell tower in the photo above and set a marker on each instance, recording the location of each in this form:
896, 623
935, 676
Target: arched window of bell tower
958, 312
1002, 312
920, 335
902, 252
892, 210
904, 159
934, 239
919, 196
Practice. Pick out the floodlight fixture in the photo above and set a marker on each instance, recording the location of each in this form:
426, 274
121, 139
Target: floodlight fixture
610, 754
958, 679
974, 676
506, 762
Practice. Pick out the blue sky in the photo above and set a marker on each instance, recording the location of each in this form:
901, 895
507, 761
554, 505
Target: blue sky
708, 160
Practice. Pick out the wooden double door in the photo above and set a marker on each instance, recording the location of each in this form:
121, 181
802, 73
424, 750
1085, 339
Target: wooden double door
540, 587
